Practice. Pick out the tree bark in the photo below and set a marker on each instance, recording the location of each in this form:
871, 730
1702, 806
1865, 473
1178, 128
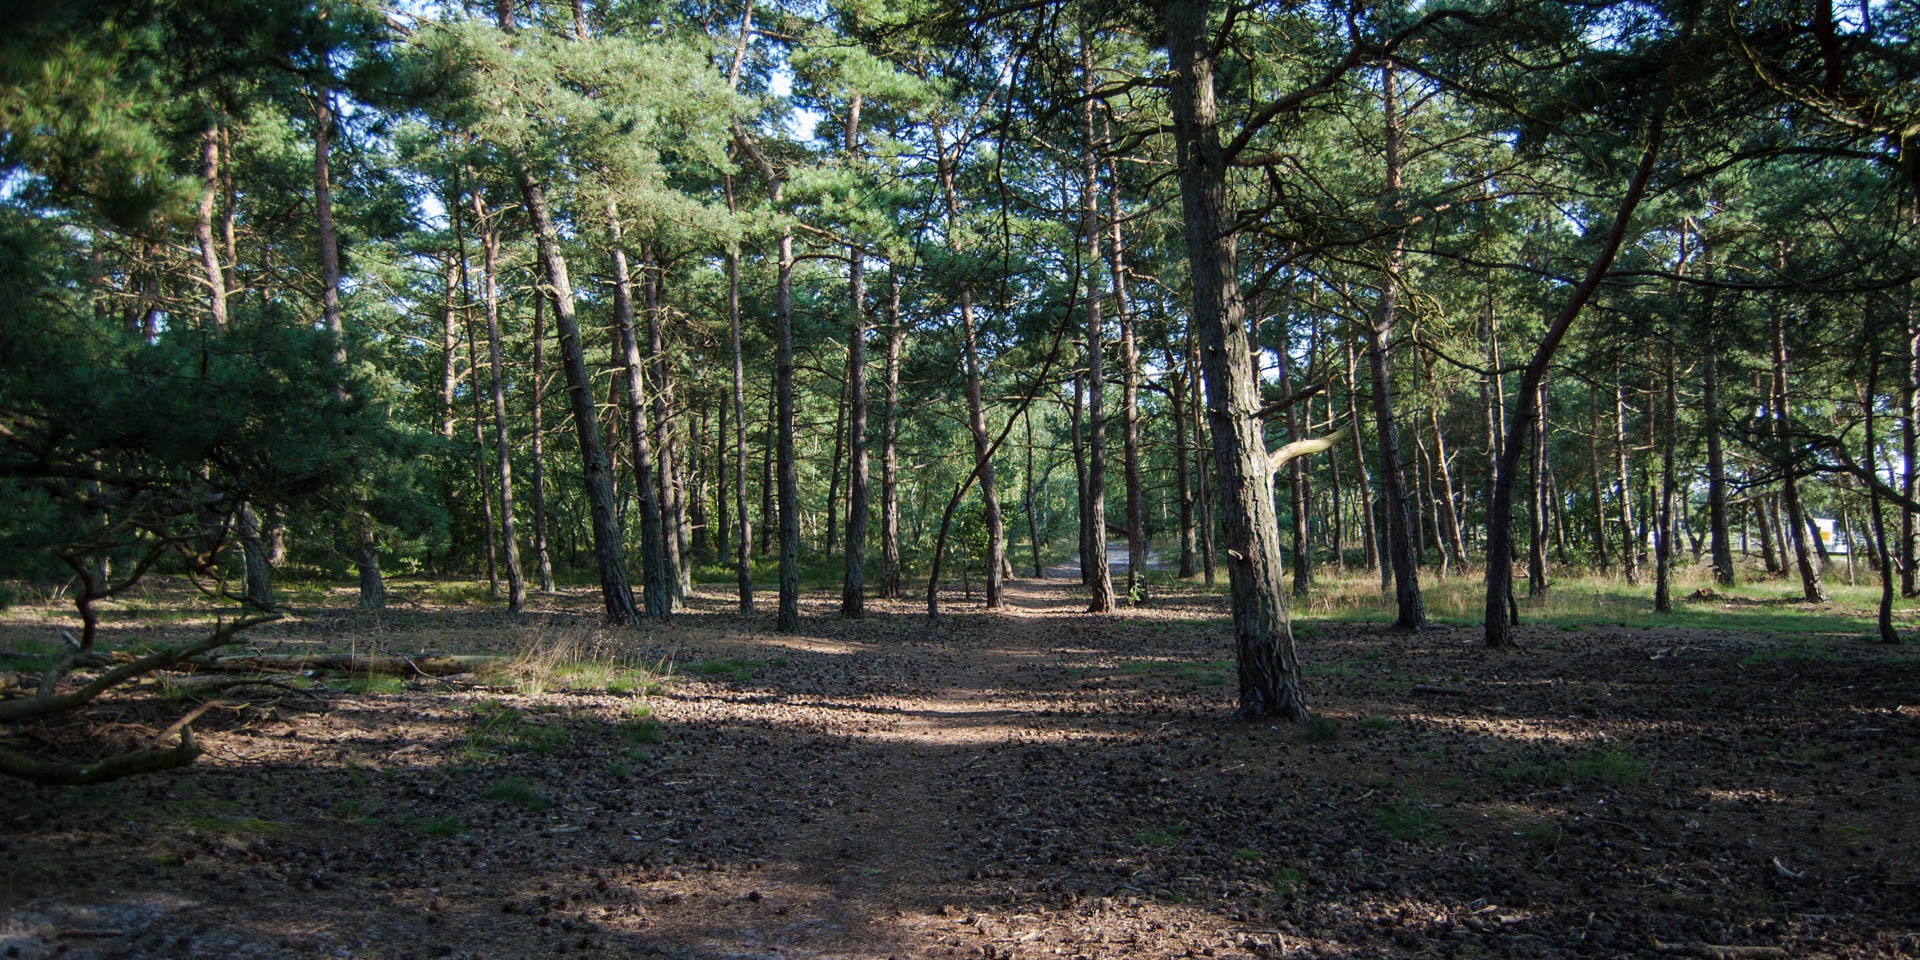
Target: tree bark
1203, 456
1499, 628
1536, 501
673, 535
1370, 549
492, 555
1129, 393
1664, 526
976, 405
743, 544
1412, 612
656, 593
1099, 581
1716, 458
1881, 554
502, 439
1269, 667
1810, 586
1629, 547
1601, 552
787, 615
1183, 484
373, 590
853, 591
616, 594
1296, 470
542, 554
890, 446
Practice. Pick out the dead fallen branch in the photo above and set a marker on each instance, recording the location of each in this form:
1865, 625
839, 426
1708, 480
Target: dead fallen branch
418, 665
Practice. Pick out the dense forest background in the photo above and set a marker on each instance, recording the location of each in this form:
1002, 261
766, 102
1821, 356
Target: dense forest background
881, 295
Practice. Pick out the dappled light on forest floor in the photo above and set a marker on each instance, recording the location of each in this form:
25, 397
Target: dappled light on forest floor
1028, 784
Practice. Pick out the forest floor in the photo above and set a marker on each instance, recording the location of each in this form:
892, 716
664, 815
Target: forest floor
1030, 783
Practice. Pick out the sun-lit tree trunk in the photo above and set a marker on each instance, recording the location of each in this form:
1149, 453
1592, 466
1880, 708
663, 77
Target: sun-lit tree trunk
1183, 484
502, 437
373, 589
834, 473
1910, 446
1296, 471
743, 525
1629, 545
1393, 480
1269, 667
1536, 502
1370, 546
890, 446
1443, 472
656, 593
665, 477
1601, 553
1882, 556
1202, 457
853, 590
1099, 581
787, 615
616, 593
543, 555
1129, 392
1078, 420
478, 418
214, 277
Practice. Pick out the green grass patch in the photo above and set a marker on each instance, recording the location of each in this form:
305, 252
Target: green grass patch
1614, 767
1800, 651
1406, 821
1320, 730
245, 826
519, 792
499, 728
1162, 836
1285, 881
446, 825
739, 671
1247, 855
1376, 722
375, 683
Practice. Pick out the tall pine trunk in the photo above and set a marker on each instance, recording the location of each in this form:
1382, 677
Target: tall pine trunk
656, 593
502, 440
1129, 395
541, 550
1796, 526
853, 590
666, 475
1099, 581
890, 447
1411, 612
1269, 666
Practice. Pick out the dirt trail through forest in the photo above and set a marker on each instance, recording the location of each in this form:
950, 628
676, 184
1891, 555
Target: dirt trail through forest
1034, 783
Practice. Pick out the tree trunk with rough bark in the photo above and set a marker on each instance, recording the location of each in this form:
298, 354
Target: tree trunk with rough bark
1412, 612
502, 437
853, 590
656, 593
543, 555
890, 446
1269, 667
1810, 586
616, 593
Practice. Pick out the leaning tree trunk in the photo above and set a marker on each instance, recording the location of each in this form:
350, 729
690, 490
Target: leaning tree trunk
1412, 612
615, 592
502, 438
656, 593
1269, 666
373, 589
853, 590
1499, 626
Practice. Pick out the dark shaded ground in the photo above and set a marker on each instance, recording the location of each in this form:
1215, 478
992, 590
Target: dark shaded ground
1034, 783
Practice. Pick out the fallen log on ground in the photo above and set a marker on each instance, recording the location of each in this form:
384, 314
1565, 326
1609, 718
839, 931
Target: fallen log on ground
414, 665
